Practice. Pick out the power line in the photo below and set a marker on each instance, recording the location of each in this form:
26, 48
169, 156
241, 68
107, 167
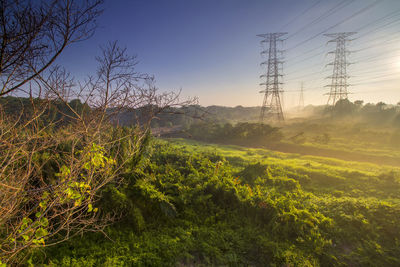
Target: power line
390, 15
326, 14
301, 14
357, 60
323, 69
308, 58
379, 56
369, 70
356, 39
375, 91
306, 75
388, 24
375, 81
360, 60
355, 72
376, 73
379, 28
387, 16
383, 76
386, 42
363, 27
337, 24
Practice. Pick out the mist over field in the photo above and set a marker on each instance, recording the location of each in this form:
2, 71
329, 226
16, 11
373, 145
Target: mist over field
199, 133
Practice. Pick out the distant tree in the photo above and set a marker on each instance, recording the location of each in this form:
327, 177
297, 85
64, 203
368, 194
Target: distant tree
344, 107
240, 133
359, 103
381, 105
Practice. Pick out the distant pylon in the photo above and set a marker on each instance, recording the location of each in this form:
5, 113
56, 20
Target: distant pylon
339, 77
272, 104
301, 99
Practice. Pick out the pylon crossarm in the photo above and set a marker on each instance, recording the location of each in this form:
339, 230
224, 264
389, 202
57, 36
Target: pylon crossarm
337, 76
334, 85
345, 63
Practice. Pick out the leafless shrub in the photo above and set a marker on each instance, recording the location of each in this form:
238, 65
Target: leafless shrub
34, 34
52, 169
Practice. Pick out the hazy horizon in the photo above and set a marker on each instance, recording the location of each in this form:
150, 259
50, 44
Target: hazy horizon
209, 49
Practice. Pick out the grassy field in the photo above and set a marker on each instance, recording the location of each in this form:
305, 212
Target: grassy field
324, 175
343, 139
190, 203
349, 136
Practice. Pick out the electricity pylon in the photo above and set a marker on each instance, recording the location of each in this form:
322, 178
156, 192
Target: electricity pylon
272, 105
339, 77
301, 99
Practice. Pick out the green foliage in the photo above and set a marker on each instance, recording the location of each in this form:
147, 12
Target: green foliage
55, 111
188, 205
375, 114
188, 115
242, 133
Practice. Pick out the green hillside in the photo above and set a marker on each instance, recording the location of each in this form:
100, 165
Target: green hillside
196, 204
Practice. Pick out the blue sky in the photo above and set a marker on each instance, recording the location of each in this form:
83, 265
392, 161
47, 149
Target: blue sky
209, 48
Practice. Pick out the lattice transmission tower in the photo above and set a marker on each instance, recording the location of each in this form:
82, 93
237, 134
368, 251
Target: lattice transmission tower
339, 76
272, 104
301, 98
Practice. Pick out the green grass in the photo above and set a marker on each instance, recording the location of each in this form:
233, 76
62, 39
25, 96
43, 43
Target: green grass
347, 135
194, 204
327, 175
266, 155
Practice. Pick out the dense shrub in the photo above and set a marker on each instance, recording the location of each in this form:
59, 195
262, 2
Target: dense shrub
191, 208
243, 133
